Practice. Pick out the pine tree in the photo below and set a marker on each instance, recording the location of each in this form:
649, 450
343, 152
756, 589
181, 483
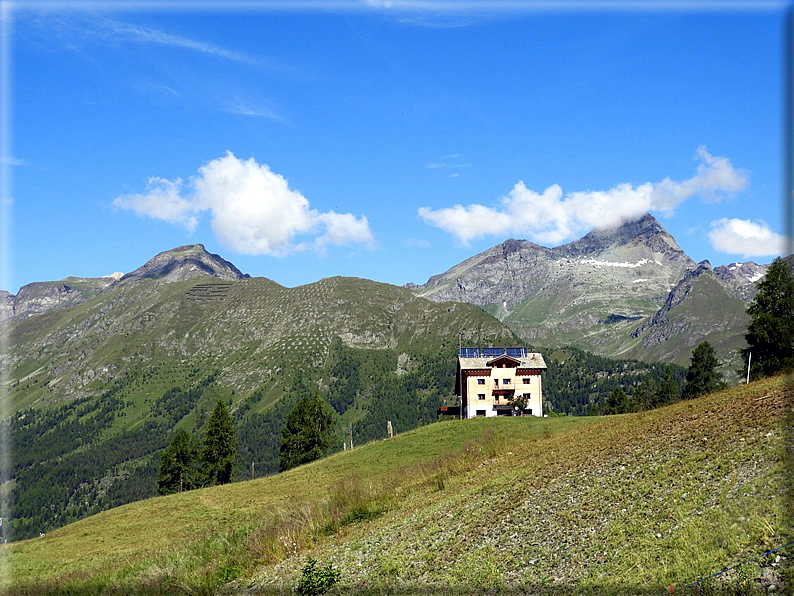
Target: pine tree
644, 395
668, 390
770, 335
179, 465
308, 433
219, 450
617, 402
702, 376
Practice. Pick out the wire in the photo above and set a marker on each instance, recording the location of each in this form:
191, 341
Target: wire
769, 552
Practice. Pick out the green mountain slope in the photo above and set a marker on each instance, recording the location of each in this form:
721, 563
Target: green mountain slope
99, 388
624, 504
697, 309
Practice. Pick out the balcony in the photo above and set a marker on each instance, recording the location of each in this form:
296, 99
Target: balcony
503, 388
502, 404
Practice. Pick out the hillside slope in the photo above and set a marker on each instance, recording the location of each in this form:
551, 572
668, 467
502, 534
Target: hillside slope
98, 389
632, 503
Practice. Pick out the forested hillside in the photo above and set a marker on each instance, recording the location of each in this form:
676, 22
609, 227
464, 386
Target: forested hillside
80, 458
579, 382
99, 389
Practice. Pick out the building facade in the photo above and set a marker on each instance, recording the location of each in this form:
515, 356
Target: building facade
489, 379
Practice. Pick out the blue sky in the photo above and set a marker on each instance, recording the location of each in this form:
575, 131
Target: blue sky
376, 141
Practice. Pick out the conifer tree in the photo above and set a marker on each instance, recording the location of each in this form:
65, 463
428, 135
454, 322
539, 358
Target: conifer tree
219, 450
179, 465
644, 395
617, 402
308, 433
702, 376
770, 335
668, 390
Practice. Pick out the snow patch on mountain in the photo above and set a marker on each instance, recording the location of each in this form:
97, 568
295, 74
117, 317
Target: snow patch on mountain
598, 263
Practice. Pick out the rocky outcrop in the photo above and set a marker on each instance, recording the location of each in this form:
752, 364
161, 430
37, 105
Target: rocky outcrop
739, 279
598, 286
39, 297
698, 308
676, 296
645, 233
178, 264
504, 274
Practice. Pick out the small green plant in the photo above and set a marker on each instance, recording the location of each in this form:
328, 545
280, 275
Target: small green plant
316, 580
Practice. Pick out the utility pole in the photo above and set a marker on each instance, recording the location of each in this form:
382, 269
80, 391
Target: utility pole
389, 429
252, 470
749, 357
351, 436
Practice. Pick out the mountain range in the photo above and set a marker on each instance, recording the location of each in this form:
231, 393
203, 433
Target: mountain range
626, 292
102, 371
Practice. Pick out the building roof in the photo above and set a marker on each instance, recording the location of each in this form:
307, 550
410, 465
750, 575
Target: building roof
531, 360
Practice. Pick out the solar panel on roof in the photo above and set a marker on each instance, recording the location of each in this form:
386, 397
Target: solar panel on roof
493, 352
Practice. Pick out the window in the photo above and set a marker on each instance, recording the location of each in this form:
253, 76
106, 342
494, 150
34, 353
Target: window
481, 396
480, 413
496, 381
526, 380
481, 381
505, 381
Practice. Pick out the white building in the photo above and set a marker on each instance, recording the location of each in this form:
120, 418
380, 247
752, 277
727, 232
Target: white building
488, 379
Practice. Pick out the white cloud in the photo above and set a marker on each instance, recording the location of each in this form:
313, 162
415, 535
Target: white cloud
253, 209
448, 161
552, 216
344, 228
715, 175
75, 28
746, 237
162, 200
156, 36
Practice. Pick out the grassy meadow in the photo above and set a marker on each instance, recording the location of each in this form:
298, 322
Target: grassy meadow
621, 504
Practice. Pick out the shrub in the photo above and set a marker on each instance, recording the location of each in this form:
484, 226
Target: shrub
316, 580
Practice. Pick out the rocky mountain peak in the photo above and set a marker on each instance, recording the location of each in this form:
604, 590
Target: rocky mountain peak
739, 278
184, 262
645, 231
512, 245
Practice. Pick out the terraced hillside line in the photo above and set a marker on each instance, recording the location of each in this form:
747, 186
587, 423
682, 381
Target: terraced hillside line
209, 291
